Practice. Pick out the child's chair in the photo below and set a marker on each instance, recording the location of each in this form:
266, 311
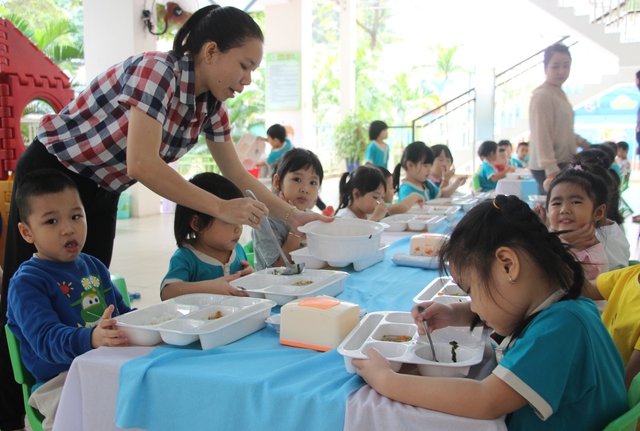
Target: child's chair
121, 285
476, 183
629, 420
248, 249
24, 378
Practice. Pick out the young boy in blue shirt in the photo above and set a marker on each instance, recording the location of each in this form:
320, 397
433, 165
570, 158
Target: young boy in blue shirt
61, 301
488, 175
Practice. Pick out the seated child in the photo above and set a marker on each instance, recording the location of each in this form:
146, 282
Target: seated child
277, 138
442, 171
416, 161
576, 207
61, 300
623, 161
502, 160
557, 366
521, 157
405, 204
209, 255
297, 180
621, 289
378, 151
488, 153
362, 194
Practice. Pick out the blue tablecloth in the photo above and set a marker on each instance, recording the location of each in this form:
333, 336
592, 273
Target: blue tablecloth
256, 383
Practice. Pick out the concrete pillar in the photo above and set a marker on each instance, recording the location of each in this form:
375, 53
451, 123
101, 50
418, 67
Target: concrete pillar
288, 30
114, 31
348, 44
485, 104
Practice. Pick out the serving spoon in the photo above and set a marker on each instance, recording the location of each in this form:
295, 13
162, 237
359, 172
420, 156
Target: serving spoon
426, 329
290, 268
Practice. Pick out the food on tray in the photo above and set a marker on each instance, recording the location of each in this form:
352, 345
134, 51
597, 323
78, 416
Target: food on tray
156, 320
303, 283
454, 346
426, 244
451, 294
396, 338
215, 316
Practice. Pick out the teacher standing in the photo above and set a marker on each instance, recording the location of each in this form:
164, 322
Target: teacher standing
553, 142
134, 119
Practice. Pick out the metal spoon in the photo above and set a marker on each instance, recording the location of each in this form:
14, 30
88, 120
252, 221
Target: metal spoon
426, 329
290, 268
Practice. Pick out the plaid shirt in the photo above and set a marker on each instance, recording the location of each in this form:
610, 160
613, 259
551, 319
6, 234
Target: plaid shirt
89, 136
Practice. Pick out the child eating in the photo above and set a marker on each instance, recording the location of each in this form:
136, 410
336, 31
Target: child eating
362, 194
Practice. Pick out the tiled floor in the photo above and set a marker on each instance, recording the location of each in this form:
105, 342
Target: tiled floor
144, 245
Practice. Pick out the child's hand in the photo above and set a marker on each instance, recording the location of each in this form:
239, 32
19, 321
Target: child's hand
415, 199
105, 334
541, 212
221, 285
436, 314
546, 184
581, 238
447, 175
373, 370
379, 212
246, 268
460, 181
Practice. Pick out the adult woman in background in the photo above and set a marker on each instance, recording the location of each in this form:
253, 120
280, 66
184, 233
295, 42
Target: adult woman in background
135, 118
553, 142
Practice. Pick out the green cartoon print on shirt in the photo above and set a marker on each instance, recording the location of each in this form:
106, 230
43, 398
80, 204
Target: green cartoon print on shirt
92, 299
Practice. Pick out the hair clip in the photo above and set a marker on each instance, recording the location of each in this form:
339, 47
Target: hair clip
495, 204
578, 167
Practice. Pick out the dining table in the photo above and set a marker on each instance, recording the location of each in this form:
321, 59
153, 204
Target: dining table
256, 382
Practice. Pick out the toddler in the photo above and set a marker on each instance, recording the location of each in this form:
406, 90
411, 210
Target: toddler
557, 366
416, 161
297, 180
61, 301
521, 158
488, 177
277, 138
502, 161
209, 255
362, 194
378, 151
623, 161
405, 204
442, 171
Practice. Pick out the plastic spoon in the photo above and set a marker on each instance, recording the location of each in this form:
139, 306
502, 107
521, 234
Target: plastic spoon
290, 268
426, 329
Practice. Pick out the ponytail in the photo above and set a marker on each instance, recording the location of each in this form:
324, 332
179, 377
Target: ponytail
396, 177
365, 179
228, 27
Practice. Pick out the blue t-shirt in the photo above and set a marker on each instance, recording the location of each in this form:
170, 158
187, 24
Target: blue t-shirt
433, 191
516, 163
486, 170
406, 189
275, 155
568, 368
376, 156
53, 307
190, 265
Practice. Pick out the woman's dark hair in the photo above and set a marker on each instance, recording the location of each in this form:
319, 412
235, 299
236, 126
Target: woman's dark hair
596, 162
557, 48
227, 26
364, 179
415, 152
212, 183
296, 159
38, 183
507, 221
277, 131
437, 150
487, 148
375, 128
592, 184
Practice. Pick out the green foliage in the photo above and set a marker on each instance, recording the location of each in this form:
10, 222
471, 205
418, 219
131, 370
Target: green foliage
351, 137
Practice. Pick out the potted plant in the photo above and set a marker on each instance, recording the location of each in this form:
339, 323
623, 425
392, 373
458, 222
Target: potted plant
351, 139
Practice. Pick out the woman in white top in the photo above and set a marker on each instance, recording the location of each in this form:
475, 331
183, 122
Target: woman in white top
553, 142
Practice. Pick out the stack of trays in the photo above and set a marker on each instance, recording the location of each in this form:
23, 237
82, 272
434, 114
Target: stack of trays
215, 320
444, 290
377, 330
270, 284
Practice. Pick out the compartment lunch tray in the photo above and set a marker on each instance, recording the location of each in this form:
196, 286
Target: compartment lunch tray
444, 290
271, 284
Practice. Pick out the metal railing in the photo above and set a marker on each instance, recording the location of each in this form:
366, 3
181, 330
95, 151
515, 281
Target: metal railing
618, 16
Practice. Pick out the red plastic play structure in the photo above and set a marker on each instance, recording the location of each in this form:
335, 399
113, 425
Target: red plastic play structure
26, 74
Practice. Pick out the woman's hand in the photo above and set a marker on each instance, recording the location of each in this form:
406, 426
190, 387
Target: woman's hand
299, 218
374, 370
436, 314
105, 334
242, 211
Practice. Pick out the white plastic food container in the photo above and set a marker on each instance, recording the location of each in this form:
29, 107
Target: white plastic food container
442, 289
466, 204
343, 240
448, 211
429, 222
398, 222
141, 326
376, 330
302, 255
